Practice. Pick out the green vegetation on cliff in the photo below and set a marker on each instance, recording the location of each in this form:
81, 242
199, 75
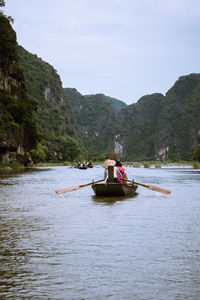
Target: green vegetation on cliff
195, 153
157, 127
179, 123
95, 117
2, 4
53, 114
18, 131
137, 127
45, 87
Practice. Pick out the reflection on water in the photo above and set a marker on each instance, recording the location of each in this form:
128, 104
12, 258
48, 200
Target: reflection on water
109, 200
79, 246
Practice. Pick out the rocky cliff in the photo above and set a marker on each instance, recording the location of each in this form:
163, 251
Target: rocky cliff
18, 131
178, 128
45, 87
53, 114
157, 127
162, 127
95, 117
137, 124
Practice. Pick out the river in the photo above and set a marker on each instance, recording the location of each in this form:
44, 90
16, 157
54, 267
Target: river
77, 246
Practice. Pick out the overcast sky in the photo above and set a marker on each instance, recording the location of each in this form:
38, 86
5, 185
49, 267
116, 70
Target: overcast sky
121, 48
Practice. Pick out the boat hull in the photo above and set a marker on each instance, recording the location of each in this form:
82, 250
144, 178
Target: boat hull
114, 189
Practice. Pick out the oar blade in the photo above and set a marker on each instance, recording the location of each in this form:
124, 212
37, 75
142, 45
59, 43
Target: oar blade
153, 188
157, 189
70, 189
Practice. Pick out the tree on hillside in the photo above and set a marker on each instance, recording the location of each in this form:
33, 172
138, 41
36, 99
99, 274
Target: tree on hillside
39, 154
195, 153
68, 148
2, 4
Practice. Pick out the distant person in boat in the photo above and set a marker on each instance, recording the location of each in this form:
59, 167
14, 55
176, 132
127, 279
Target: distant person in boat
89, 164
77, 164
83, 165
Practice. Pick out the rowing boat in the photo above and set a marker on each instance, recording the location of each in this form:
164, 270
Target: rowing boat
114, 189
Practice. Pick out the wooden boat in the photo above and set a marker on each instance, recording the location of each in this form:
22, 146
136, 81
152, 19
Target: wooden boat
114, 189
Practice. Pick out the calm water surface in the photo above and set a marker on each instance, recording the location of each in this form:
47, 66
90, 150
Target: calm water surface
78, 246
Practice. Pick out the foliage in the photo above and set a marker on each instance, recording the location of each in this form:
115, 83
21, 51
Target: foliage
2, 4
7, 43
95, 119
196, 165
141, 128
39, 154
195, 153
137, 126
18, 131
146, 164
15, 165
101, 156
18, 115
179, 121
60, 149
68, 148
53, 114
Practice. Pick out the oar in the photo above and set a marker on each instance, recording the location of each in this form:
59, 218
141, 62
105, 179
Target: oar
77, 187
153, 188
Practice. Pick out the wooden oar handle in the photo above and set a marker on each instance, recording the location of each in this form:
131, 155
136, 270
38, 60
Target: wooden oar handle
91, 183
73, 188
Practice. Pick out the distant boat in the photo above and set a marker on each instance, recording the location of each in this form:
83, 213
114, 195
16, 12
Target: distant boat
114, 189
83, 168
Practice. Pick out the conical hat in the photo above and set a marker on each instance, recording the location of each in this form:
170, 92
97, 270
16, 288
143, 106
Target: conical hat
108, 162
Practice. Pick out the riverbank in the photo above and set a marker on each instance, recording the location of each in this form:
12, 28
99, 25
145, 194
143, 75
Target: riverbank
143, 164
155, 164
12, 166
16, 166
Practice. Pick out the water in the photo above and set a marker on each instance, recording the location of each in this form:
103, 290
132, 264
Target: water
78, 246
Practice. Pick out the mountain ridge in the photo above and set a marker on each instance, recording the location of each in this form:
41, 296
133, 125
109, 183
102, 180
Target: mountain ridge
157, 126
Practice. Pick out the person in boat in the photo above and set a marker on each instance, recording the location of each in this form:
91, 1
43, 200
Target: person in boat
89, 164
83, 165
77, 164
119, 173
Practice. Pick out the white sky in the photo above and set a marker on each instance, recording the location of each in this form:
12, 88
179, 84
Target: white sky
121, 48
